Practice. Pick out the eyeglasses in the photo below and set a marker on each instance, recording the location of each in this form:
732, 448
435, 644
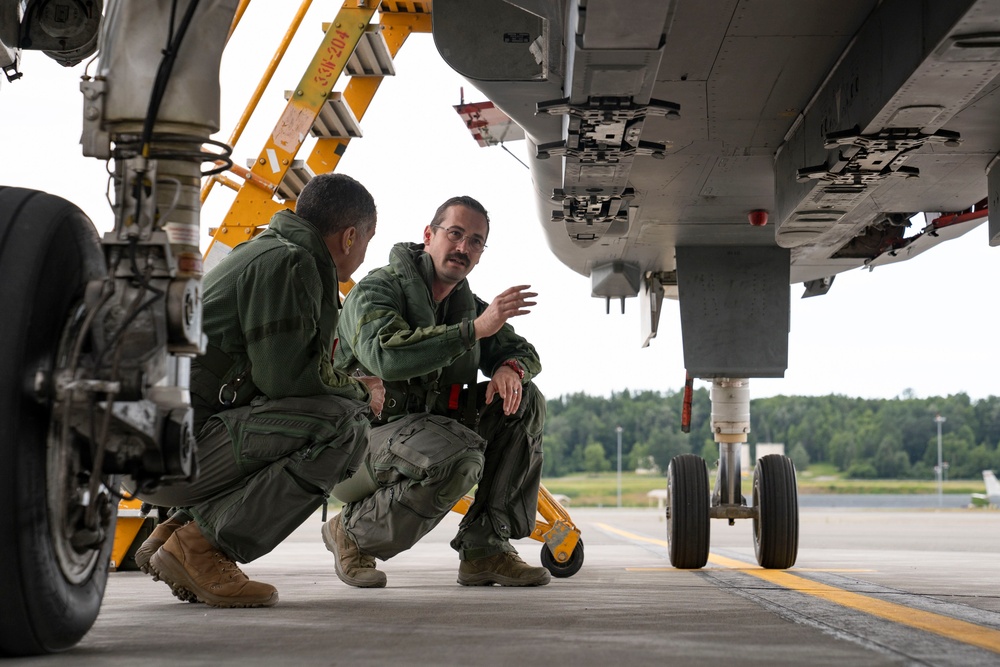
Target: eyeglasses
456, 235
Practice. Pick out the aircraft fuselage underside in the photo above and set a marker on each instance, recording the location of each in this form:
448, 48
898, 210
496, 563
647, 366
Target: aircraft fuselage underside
719, 151
667, 123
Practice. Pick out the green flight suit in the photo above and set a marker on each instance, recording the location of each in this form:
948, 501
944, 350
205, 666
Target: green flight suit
439, 439
277, 425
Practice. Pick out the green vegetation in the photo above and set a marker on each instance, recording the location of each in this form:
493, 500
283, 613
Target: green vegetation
601, 489
838, 444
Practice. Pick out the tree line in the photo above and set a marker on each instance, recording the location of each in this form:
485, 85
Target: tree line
863, 438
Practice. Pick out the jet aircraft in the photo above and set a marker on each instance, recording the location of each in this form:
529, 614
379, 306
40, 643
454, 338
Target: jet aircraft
720, 152
713, 151
992, 496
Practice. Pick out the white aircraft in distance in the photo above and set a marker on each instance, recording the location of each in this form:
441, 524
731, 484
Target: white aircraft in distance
714, 151
992, 496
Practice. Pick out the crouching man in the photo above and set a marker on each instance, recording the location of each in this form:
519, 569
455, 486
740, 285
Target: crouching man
277, 425
417, 325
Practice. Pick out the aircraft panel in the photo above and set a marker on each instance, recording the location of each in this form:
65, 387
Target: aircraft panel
977, 123
947, 182
774, 18
692, 123
748, 177
756, 79
694, 37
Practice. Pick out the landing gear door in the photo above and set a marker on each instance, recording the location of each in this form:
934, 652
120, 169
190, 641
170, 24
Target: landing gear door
734, 303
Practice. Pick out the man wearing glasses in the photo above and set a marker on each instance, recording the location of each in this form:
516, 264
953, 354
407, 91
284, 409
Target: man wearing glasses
417, 325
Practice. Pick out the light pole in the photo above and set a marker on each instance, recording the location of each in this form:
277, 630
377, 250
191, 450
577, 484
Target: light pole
938, 419
618, 430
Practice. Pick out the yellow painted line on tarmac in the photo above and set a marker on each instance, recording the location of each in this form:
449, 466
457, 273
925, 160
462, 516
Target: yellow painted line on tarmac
945, 626
754, 567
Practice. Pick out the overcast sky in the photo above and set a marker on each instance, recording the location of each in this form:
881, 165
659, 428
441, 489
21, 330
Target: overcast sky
928, 325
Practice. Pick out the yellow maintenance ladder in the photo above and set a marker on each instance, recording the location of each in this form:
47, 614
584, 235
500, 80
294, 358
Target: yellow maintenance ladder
363, 50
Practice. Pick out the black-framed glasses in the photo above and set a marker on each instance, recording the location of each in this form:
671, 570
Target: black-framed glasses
457, 234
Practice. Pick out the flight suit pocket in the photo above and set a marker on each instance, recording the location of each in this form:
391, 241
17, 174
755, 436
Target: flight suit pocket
423, 442
266, 431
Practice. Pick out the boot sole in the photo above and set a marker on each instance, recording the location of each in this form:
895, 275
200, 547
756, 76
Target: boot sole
489, 579
331, 546
179, 592
167, 569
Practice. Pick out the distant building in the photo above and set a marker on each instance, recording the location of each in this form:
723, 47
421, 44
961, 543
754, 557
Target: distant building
647, 466
765, 448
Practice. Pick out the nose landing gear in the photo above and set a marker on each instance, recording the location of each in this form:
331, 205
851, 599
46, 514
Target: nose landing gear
774, 509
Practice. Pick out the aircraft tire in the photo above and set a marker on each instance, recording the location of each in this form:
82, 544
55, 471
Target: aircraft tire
776, 528
688, 505
51, 592
563, 570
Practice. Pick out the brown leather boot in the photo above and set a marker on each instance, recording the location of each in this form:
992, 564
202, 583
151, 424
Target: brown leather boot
505, 569
160, 534
353, 566
196, 570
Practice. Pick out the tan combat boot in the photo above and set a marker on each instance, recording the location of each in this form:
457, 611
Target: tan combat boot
160, 534
196, 570
505, 569
354, 567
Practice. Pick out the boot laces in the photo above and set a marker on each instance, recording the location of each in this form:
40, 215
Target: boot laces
514, 557
228, 566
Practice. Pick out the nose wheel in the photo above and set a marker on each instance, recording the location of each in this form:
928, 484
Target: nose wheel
58, 525
776, 526
688, 515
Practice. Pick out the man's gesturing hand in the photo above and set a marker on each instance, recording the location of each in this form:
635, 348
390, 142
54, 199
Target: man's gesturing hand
512, 302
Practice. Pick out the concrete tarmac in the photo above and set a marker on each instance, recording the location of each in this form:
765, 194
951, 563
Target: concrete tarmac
896, 587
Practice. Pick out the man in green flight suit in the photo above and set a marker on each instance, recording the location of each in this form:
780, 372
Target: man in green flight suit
277, 425
417, 325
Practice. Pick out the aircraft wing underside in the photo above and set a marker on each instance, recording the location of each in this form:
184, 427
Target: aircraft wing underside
664, 130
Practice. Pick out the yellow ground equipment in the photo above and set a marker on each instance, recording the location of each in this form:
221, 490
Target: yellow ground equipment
562, 548
133, 527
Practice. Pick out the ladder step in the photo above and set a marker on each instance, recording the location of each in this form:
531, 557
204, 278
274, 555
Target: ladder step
371, 57
295, 179
336, 120
405, 7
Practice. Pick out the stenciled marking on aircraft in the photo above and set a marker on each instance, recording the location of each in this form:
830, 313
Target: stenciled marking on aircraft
944, 626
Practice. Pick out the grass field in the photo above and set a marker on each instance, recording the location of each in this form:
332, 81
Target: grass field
601, 490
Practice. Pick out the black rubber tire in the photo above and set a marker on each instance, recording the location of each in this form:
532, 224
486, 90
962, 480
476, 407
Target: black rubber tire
776, 528
688, 505
563, 570
48, 251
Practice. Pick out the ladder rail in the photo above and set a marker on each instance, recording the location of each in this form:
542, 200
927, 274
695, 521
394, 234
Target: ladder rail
255, 203
262, 84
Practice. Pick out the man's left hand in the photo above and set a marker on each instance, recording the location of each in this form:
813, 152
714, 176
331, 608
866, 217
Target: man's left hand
376, 391
507, 384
